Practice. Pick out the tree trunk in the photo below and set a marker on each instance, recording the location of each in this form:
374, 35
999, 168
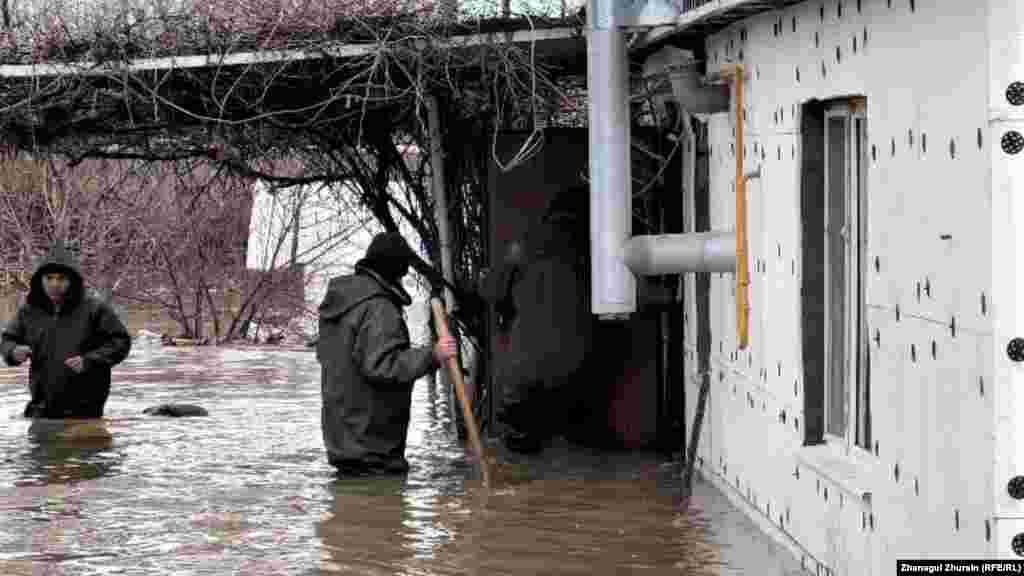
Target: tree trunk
199, 314
179, 303
249, 304
296, 221
247, 323
213, 312
182, 319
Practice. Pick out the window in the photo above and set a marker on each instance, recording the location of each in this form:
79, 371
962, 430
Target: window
846, 361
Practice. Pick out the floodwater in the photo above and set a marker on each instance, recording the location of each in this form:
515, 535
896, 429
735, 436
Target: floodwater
248, 491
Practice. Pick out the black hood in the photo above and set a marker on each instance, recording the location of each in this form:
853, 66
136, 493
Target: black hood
389, 255
58, 259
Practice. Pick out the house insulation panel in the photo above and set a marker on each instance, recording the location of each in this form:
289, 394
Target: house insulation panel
941, 276
1006, 126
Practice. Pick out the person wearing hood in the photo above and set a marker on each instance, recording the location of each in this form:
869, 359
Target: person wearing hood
368, 366
541, 310
71, 339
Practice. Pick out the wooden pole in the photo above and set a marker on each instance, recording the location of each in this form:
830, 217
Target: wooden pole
455, 375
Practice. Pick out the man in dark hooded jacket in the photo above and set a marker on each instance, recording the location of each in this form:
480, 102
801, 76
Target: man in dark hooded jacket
538, 294
368, 366
72, 339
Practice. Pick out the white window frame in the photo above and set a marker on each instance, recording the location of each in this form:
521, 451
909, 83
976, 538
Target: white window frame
855, 433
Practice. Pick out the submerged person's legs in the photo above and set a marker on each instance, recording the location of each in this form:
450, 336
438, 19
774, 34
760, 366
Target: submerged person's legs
539, 414
519, 416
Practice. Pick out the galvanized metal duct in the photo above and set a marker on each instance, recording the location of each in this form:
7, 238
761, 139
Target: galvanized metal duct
615, 255
613, 287
678, 253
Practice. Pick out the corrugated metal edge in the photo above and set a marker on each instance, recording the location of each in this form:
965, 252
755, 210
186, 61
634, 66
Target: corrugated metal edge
710, 18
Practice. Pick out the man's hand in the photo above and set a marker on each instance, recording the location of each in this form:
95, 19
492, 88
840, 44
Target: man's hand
21, 353
76, 364
445, 349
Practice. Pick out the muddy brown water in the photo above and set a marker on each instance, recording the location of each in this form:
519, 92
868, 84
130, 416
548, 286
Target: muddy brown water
247, 490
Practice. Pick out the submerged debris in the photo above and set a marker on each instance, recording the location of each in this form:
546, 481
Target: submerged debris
176, 410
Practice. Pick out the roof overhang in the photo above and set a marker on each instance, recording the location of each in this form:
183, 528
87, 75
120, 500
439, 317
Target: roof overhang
694, 25
564, 46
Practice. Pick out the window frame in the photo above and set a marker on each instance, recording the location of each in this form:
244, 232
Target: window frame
856, 429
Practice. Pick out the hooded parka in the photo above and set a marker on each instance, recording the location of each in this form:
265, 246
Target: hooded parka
83, 326
368, 370
540, 296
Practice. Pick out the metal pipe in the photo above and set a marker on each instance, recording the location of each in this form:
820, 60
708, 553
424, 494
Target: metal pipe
613, 288
735, 74
690, 177
663, 400
613, 252
689, 224
437, 185
678, 253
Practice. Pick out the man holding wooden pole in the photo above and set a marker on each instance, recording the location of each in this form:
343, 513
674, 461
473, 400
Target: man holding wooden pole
368, 364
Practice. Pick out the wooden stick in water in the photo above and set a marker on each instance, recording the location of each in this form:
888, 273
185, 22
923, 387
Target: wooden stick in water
455, 374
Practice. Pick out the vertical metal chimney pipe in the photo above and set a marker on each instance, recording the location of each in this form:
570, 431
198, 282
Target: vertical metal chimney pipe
613, 287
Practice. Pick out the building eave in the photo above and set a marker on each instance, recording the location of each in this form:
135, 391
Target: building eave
559, 41
694, 25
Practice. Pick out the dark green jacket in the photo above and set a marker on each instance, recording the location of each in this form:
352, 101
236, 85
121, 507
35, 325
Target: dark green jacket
84, 326
546, 342
368, 371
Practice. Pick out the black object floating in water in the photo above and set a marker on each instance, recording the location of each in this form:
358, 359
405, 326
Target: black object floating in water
176, 410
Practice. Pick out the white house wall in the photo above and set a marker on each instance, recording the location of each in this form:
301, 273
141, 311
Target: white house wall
925, 74
1006, 66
